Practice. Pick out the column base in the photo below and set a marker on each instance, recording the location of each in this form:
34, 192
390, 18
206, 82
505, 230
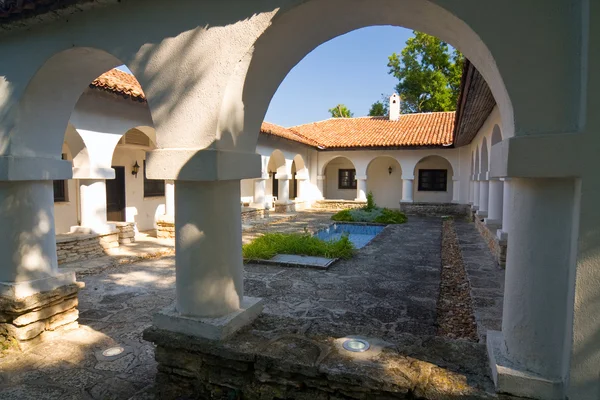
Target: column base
218, 328
165, 227
285, 206
492, 222
28, 320
481, 214
512, 379
502, 235
406, 201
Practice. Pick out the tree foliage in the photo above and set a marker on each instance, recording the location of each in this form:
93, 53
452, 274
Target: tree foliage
429, 74
341, 111
380, 108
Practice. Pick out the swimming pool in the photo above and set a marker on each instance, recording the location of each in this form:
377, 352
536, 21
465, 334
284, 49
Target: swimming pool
359, 235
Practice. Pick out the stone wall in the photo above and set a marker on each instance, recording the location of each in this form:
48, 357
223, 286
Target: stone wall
435, 209
284, 208
126, 231
165, 227
72, 247
497, 247
295, 366
254, 213
338, 204
28, 321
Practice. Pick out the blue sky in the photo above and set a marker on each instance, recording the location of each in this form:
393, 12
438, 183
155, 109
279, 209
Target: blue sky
350, 69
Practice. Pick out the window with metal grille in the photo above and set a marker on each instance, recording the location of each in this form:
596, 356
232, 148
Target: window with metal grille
60, 188
347, 179
433, 180
153, 187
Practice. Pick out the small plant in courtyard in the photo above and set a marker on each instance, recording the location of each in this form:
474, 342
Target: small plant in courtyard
271, 244
370, 213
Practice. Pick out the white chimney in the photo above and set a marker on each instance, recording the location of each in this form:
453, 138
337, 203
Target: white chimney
394, 107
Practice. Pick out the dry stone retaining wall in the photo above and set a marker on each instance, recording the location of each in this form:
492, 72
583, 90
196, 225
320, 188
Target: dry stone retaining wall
73, 247
31, 320
338, 204
126, 231
497, 247
435, 209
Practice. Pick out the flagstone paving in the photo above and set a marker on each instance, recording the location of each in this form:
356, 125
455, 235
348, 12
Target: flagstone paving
388, 290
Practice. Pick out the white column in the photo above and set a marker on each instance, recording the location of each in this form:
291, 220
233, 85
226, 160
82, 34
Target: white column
476, 193
484, 199
321, 185
92, 196
27, 239
456, 190
361, 188
301, 187
407, 190
259, 192
471, 191
283, 197
208, 244
495, 202
536, 312
169, 198
506, 200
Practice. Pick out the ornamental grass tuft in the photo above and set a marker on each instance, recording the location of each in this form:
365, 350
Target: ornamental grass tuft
271, 244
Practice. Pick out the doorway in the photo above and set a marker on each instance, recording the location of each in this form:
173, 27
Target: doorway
115, 196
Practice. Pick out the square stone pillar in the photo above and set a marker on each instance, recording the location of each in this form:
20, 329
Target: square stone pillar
484, 193
476, 192
495, 203
36, 299
407, 190
506, 201
361, 188
260, 186
321, 186
92, 203
170, 198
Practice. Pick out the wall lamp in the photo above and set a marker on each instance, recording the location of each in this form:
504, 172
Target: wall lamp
390, 170
135, 169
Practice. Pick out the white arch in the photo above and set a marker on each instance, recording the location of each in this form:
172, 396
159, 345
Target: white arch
434, 162
301, 169
384, 180
280, 48
496, 135
485, 162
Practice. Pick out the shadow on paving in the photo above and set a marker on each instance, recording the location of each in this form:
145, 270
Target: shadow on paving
388, 290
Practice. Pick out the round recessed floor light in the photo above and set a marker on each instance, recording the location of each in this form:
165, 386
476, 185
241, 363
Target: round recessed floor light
356, 345
113, 351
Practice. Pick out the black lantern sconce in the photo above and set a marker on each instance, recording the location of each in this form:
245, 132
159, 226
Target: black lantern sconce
135, 169
390, 170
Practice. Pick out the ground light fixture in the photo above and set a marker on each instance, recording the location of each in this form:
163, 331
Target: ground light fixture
356, 345
135, 169
113, 351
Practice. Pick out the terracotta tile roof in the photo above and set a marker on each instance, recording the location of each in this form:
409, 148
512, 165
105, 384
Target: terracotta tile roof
276, 130
423, 129
120, 82
475, 104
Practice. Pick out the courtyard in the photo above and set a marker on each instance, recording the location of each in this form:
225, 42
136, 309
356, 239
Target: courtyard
388, 292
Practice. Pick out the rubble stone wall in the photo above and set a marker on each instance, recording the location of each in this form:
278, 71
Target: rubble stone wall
435, 209
126, 231
31, 320
497, 247
73, 247
338, 204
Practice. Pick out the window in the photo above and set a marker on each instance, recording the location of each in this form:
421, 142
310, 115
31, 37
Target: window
347, 179
60, 188
153, 187
433, 180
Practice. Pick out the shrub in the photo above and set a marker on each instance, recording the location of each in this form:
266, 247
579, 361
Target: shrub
363, 215
388, 216
270, 244
342, 216
370, 202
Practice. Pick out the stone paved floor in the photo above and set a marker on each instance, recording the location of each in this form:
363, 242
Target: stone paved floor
390, 287
486, 278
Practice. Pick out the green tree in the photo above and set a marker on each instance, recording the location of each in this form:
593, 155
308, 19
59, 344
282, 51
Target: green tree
340, 111
429, 74
380, 108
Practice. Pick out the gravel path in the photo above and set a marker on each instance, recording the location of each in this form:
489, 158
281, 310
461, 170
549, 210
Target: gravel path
455, 311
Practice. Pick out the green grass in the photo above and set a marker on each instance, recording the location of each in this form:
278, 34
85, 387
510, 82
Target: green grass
270, 244
378, 215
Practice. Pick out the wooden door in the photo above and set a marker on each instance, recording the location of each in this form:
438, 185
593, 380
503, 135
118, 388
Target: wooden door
115, 196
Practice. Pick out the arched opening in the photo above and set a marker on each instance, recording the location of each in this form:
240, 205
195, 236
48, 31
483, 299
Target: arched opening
496, 135
299, 176
275, 169
434, 180
279, 49
484, 157
340, 179
384, 180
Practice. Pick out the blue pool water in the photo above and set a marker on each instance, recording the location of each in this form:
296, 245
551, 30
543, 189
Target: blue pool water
360, 235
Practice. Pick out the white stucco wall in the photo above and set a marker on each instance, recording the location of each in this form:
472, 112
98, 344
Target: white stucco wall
386, 187
331, 180
142, 211
434, 162
65, 213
